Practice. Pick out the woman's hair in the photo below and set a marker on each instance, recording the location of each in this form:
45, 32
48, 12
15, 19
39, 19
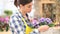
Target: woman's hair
15, 3
24, 2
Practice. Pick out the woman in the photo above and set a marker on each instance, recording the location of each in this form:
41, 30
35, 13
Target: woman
19, 20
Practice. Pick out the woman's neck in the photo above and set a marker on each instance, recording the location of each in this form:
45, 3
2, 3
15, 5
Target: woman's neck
23, 13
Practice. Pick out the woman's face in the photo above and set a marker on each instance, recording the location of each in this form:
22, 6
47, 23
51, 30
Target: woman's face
27, 8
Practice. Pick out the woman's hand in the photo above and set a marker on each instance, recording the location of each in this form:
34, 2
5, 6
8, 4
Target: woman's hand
43, 28
31, 20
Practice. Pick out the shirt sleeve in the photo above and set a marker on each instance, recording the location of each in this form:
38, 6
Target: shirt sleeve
16, 25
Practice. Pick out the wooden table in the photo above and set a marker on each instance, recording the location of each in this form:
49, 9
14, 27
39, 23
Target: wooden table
5, 32
52, 30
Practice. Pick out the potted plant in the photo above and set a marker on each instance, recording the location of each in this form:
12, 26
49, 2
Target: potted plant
42, 21
4, 26
4, 20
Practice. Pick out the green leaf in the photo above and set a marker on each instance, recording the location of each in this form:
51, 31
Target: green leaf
1, 30
7, 28
51, 25
43, 23
8, 12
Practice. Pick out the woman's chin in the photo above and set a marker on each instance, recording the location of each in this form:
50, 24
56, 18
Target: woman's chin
29, 11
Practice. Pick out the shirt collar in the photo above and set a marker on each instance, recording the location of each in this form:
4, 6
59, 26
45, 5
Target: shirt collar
20, 14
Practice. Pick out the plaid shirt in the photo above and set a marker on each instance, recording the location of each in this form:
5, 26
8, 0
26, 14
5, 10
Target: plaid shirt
17, 26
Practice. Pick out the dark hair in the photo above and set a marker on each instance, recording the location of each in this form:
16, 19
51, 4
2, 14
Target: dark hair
15, 3
24, 2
